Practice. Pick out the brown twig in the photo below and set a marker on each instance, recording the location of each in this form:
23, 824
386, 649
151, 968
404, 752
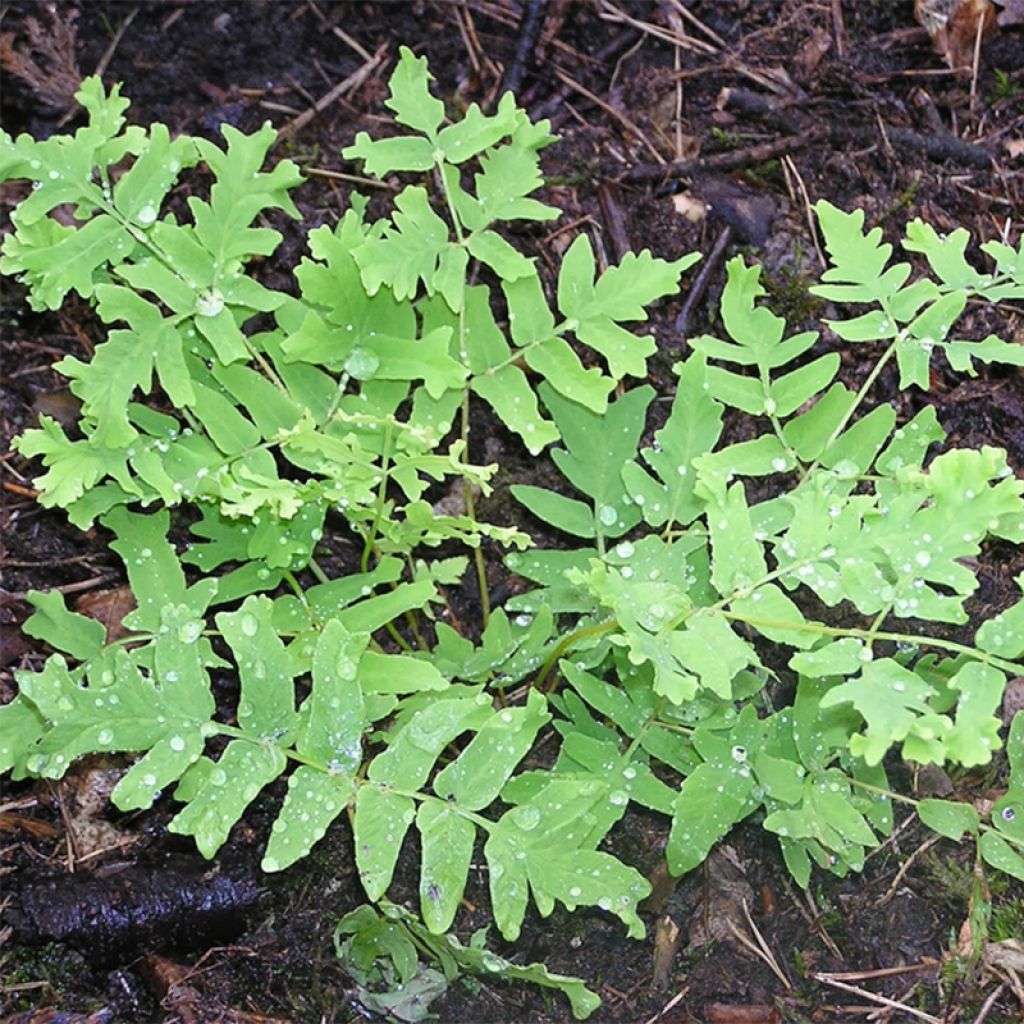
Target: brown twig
828, 979
700, 285
720, 161
23, 492
353, 81
108, 53
532, 22
629, 125
615, 222
555, 100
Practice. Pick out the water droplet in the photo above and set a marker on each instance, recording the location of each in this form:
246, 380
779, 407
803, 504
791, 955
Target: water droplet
146, 215
177, 743
249, 625
625, 550
362, 364
526, 817
209, 303
105, 736
190, 632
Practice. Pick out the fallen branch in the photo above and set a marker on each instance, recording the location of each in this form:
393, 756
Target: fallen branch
728, 161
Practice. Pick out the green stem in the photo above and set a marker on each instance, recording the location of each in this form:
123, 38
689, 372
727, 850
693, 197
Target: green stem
868, 384
470, 501
1002, 664
595, 629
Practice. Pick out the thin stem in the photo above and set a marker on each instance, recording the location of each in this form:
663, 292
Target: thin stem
469, 498
868, 384
314, 568
1003, 664
595, 629
397, 637
371, 534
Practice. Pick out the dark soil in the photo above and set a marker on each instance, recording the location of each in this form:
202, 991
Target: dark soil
780, 103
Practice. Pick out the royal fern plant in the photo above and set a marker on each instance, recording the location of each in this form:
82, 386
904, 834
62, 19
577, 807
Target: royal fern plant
763, 628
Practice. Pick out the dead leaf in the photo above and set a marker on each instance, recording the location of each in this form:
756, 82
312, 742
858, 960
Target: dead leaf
46, 60
750, 214
953, 26
1007, 955
88, 786
743, 1013
62, 406
1014, 147
812, 52
13, 643
108, 607
168, 980
666, 944
720, 913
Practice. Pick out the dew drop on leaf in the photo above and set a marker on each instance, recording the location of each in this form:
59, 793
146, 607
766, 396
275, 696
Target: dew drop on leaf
607, 515
209, 303
190, 632
526, 817
362, 364
146, 215
249, 625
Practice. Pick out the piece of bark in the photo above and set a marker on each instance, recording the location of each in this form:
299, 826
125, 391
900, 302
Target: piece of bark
137, 910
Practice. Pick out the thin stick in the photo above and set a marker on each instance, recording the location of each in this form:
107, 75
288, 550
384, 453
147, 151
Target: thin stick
883, 972
768, 954
700, 285
699, 25
534, 13
905, 867
355, 179
609, 12
883, 1000
108, 53
811, 222
989, 1003
976, 60
721, 161
681, 994
838, 28
353, 81
609, 109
